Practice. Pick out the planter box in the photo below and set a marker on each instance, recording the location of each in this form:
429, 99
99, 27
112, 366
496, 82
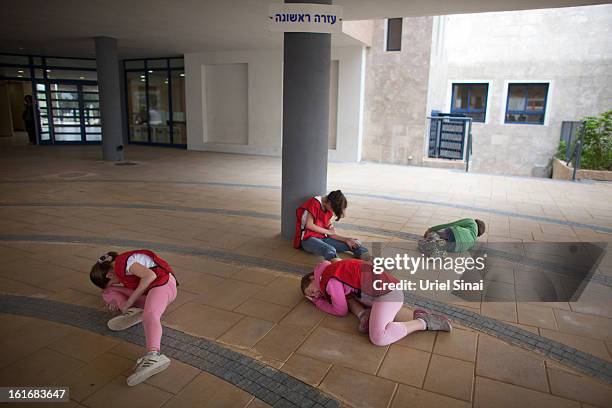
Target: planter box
563, 172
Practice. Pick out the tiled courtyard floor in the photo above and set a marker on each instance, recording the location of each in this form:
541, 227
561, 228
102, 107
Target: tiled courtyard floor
57, 201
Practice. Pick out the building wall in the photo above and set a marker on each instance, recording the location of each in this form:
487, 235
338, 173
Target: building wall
396, 89
570, 48
209, 129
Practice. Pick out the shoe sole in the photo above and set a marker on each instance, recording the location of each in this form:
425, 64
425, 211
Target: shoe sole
150, 374
114, 323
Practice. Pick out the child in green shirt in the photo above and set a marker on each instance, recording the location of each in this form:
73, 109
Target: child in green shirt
460, 235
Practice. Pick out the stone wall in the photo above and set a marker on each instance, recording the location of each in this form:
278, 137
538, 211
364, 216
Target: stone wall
396, 94
569, 48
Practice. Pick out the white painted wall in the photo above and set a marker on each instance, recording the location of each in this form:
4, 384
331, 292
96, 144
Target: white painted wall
264, 102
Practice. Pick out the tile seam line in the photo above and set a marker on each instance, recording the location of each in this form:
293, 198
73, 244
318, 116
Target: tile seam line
471, 319
365, 195
11, 304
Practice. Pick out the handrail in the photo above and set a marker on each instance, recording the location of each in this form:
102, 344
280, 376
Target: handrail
577, 152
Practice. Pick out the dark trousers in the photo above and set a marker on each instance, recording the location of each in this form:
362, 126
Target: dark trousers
31, 129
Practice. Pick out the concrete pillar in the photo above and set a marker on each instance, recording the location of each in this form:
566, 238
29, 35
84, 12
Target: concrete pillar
109, 86
306, 75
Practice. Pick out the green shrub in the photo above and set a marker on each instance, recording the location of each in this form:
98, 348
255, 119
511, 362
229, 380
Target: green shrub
597, 145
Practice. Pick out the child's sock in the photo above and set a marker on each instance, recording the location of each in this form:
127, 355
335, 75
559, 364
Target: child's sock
153, 353
424, 323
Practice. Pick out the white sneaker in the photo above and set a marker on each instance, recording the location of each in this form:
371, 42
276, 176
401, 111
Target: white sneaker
131, 317
147, 366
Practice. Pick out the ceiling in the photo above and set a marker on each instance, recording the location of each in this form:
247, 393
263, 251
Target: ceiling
164, 28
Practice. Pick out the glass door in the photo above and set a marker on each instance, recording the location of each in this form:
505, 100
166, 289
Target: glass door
69, 111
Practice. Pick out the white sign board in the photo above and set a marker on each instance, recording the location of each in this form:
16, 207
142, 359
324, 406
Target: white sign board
305, 18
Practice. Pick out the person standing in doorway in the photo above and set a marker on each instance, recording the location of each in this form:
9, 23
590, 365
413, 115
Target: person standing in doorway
30, 118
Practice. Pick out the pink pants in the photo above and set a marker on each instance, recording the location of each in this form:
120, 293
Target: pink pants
154, 304
383, 330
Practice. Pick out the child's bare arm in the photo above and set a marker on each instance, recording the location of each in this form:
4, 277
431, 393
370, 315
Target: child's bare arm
146, 276
314, 227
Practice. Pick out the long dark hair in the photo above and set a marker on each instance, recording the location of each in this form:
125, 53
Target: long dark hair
99, 270
338, 203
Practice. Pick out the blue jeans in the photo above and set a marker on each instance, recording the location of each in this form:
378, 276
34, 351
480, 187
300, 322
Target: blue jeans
328, 248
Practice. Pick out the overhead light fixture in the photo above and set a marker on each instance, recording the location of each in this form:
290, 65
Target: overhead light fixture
21, 48
20, 71
81, 77
19, 76
150, 71
142, 80
48, 70
182, 74
142, 76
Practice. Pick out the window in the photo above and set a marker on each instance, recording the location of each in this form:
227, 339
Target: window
470, 100
526, 103
394, 34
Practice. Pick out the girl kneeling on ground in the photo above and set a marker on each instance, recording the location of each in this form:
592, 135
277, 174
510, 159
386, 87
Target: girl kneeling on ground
140, 285
350, 284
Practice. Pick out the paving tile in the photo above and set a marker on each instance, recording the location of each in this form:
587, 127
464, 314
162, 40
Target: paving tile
405, 365
283, 290
459, 344
306, 369
500, 310
174, 378
91, 377
415, 398
342, 348
209, 391
263, 310
84, 345
501, 361
281, 342
227, 295
357, 389
29, 337
41, 368
201, 320
305, 314
346, 324
565, 384
491, 393
584, 324
258, 276
450, 376
118, 394
200, 283
257, 403
595, 347
247, 332
10, 322
536, 316
128, 350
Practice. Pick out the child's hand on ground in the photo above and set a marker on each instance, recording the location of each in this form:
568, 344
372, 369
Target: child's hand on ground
113, 307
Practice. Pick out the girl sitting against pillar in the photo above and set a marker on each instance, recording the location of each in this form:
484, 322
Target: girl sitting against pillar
139, 285
315, 233
349, 284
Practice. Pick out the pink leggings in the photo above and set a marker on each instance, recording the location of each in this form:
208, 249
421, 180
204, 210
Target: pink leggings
383, 330
154, 304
